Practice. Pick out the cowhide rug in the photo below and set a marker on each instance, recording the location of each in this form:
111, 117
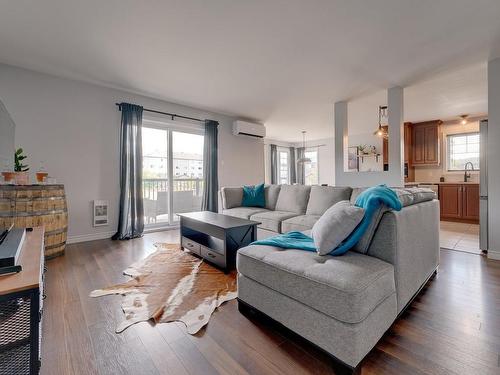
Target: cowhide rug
172, 285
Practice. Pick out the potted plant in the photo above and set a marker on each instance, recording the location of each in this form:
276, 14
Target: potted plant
21, 170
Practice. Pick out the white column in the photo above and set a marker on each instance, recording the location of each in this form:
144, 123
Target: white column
341, 129
493, 155
395, 104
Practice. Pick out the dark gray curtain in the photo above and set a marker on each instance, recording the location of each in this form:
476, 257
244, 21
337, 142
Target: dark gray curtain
131, 216
211, 179
300, 166
293, 175
274, 164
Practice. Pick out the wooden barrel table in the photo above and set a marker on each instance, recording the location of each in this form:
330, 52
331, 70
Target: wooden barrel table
30, 206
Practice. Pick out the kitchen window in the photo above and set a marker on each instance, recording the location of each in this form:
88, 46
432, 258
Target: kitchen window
462, 148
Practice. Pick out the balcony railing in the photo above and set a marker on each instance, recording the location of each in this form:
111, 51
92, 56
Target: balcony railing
187, 193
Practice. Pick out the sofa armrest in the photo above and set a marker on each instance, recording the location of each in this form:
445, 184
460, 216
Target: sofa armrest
231, 197
409, 240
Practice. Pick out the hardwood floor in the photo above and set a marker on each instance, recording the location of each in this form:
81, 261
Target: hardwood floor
452, 327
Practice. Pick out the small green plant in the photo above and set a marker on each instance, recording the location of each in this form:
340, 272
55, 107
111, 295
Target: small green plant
18, 161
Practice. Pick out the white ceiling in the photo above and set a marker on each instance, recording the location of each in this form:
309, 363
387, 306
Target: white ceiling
446, 96
283, 63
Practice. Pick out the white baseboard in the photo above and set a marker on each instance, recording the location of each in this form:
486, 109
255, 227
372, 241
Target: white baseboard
89, 237
494, 255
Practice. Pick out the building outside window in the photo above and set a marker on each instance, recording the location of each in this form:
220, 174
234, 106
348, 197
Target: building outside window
462, 148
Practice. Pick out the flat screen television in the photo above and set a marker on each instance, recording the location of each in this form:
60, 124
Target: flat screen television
7, 133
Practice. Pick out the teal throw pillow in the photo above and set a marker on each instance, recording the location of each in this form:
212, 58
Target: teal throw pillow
253, 196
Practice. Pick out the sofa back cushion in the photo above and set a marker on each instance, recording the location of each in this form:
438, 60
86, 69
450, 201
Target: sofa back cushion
324, 197
271, 192
231, 197
293, 198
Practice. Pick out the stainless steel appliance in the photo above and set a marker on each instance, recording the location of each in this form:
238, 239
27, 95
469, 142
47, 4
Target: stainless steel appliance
483, 186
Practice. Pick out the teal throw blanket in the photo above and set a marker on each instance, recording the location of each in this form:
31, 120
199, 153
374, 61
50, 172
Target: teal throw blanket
371, 199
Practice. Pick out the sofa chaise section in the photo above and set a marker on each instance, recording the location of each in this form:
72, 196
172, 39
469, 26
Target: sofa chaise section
345, 304
346, 288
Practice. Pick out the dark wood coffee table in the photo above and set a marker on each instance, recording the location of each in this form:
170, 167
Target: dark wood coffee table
216, 237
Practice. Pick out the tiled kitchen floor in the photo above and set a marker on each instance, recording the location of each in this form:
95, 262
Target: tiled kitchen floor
460, 236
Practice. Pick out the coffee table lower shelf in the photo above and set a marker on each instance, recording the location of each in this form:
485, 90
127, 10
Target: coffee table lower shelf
212, 237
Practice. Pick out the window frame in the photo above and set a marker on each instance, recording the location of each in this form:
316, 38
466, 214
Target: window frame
286, 151
448, 151
316, 150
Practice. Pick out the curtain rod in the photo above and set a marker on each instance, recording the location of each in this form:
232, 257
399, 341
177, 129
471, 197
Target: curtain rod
172, 115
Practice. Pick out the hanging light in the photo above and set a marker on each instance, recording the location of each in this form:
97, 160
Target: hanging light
464, 119
381, 131
303, 159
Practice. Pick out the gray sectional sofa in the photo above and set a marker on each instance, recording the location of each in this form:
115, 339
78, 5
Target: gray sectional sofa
288, 207
341, 304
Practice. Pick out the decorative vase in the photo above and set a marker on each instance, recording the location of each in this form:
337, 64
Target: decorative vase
9, 177
22, 178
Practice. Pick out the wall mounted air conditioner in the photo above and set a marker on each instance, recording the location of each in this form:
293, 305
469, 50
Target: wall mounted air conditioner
249, 129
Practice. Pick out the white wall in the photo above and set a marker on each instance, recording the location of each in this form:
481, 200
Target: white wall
433, 173
74, 128
493, 152
7, 137
363, 121
393, 177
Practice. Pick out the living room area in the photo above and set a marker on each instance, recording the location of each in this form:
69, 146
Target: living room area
249, 187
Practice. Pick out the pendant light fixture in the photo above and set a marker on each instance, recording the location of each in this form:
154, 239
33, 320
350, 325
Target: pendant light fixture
303, 159
382, 131
464, 119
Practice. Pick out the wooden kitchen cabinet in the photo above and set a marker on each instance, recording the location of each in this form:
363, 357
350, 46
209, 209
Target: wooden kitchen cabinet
407, 144
425, 143
459, 202
407, 141
470, 204
450, 201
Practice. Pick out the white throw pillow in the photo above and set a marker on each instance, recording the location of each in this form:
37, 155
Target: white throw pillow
335, 225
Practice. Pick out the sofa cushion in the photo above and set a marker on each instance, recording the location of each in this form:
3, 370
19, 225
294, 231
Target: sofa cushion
300, 223
421, 194
404, 196
293, 198
407, 196
333, 227
271, 220
243, 212
347, 288
231, 197
356, 192
324, 197
271, 192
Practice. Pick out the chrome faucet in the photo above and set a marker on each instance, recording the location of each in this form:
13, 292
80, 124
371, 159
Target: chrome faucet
467, 175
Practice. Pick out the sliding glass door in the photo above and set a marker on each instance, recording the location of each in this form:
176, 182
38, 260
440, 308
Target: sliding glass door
187, 157
172, 172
